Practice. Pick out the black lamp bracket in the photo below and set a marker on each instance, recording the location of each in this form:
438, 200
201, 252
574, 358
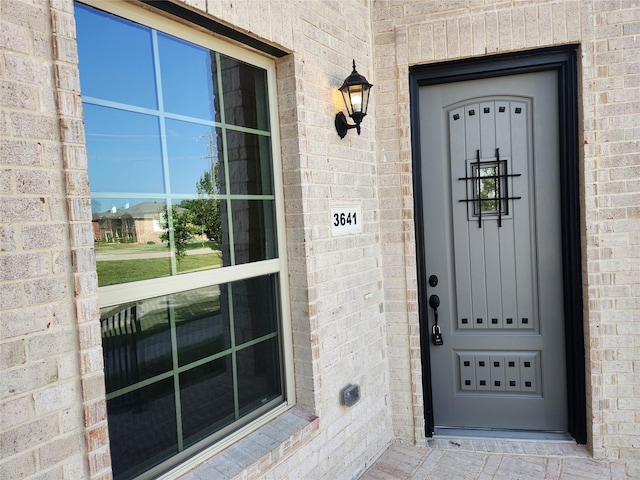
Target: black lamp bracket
342, 127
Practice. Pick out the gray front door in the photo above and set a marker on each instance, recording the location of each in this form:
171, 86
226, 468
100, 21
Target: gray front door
490, 176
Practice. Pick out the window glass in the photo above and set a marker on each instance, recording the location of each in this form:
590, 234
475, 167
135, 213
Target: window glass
207, 405
182, 183
258, 374
202, 329
129, 239
221, 377
249, 159
124, 149
136, 343
181, 152
254, 308
244, 93
116, 59
192, 149
188, 74
489, 188
142, 428
254, 236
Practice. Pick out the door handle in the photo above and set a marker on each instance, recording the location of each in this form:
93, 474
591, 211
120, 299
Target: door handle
436, 333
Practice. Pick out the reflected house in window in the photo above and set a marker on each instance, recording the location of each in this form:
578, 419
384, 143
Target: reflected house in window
133, 224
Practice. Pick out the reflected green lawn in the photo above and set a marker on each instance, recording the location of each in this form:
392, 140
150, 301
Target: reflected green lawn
123, 271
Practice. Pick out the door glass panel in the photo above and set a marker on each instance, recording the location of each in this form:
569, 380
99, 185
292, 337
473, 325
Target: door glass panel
488, 189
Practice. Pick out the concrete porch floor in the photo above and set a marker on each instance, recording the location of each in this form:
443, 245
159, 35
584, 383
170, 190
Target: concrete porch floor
452, 458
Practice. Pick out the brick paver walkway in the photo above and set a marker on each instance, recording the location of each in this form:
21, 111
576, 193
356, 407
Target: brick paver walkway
493, 459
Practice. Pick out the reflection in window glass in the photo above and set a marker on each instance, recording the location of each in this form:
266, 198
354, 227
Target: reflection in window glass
207, 403
116, 60
201, 328
249, 159
254, 236
259, 374
193, 154
181, 183
198, 167
142, 428
124, 151
244, 89
188, 73
128, 240
223, 377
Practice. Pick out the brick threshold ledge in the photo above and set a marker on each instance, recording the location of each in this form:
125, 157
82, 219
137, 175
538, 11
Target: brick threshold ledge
260, 450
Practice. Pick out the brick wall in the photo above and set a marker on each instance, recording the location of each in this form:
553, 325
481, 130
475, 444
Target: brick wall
353, 298
337, 296
417, 32
44, 274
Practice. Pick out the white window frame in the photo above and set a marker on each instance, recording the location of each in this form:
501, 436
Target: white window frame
130, 292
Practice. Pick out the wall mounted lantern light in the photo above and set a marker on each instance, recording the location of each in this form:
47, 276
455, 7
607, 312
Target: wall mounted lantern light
355, 93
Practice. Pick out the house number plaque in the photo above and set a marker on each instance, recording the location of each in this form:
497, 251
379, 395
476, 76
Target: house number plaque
346, 220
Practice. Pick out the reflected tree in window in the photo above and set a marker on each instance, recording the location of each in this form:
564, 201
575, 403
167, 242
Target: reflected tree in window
179, 230
206, 210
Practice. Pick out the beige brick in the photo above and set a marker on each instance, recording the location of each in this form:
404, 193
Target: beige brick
12, 354
55, 398
33, 126
7, 239
15, 266
65, 50
45, 290
27, 70
22, 209
21, 466
20, 152
50, 344
9, 297
75, 157
27, 377
59, 449
16, 95
43, 236
24, 437
15, 37
15, 411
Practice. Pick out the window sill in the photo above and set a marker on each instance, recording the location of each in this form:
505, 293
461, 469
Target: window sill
256, 452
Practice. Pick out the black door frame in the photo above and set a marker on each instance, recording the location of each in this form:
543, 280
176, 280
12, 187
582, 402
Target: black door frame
562, 59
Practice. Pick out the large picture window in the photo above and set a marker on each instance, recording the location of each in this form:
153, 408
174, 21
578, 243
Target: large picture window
184, 192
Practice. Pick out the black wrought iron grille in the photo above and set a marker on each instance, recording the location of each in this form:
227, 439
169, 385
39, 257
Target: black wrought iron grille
493, 196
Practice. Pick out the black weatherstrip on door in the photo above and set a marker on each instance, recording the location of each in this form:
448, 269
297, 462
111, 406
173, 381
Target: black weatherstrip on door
562, 59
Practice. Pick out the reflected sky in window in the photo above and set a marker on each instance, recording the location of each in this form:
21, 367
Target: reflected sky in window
171, 152
119, 57
124, 150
